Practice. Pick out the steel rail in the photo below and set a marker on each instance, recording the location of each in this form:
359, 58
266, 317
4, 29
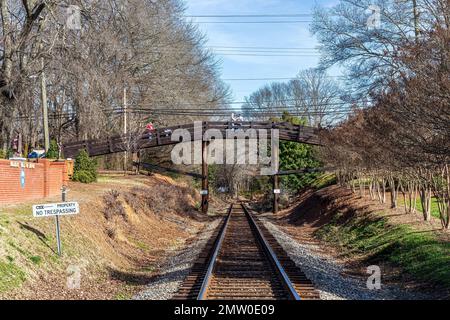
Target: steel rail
269, 253
272, 257
212, 261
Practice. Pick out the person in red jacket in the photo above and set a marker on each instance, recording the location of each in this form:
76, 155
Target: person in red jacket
150, 129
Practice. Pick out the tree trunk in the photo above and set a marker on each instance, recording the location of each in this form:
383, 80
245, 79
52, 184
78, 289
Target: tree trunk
379, 191
425, 199
393, 187
416, 191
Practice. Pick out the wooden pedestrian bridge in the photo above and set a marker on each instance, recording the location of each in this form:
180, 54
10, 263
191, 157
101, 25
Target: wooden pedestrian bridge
163, 137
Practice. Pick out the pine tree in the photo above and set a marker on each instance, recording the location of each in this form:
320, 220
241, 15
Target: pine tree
85, 168
53, 151
295, 156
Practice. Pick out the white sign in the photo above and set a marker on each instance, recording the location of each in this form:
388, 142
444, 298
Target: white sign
56, 209
204, 192
22, 164
277, 191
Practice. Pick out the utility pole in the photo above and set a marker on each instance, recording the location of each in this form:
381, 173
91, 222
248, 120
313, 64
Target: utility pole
44, 107
44, 101
416, 20
125, 129
276, 194
205, 182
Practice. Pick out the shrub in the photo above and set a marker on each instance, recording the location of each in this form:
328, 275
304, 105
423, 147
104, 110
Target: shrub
85, 168
6, 155
163, 198
83, 177
53, 150
113, 206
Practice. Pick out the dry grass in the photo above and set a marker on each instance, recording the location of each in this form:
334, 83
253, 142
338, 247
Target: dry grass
111, 236
163, 198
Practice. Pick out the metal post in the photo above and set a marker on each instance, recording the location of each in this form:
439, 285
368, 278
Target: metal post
205, 183
125, 129
276, 166
58, 229
276, 197
58, 237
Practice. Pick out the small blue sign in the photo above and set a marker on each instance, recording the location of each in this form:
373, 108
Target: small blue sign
22, 177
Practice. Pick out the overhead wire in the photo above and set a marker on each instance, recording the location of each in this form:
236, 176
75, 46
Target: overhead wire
254, 22
283, 15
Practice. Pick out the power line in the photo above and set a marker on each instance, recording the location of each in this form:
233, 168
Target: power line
269, 79
161, 109
253, 114
250, 106
289, 15
247, 109
253, 22
225, 111
263, 51
266, 48
268, 55
307, 102
257, 79
218, 113
304, 101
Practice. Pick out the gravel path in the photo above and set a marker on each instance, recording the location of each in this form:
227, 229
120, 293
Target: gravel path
326, 274
176, 269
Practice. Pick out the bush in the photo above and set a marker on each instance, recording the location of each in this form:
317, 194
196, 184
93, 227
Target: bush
163, 198
6, 155
83, 177
85, 168
113, 206
53, 150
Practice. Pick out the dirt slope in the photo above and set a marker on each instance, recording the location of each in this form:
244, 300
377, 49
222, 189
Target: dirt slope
359, 232
127, 227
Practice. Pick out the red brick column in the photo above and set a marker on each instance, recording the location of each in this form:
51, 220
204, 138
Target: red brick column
67, 171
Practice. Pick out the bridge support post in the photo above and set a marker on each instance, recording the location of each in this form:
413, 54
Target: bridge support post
276, 195
205, 182
276, 164
137, 162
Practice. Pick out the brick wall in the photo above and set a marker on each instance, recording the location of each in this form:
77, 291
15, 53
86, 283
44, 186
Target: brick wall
43, 179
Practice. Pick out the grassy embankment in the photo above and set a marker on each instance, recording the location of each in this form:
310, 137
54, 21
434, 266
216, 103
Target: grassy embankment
421, 253
116, 241
434, 206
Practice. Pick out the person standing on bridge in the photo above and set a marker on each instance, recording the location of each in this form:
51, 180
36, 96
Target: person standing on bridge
150, 129
236, 120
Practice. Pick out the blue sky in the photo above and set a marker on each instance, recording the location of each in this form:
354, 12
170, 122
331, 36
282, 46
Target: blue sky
258, 35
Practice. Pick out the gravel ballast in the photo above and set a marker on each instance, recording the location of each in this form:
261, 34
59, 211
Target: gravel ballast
327, 275
176, 269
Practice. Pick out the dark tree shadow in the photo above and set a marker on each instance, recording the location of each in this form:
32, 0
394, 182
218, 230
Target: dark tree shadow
41, 236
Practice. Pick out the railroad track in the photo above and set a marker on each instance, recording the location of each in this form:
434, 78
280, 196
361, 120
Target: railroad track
243, 261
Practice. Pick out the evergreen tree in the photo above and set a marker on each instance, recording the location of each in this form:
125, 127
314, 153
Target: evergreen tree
53, 151
85, 168
295, 156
